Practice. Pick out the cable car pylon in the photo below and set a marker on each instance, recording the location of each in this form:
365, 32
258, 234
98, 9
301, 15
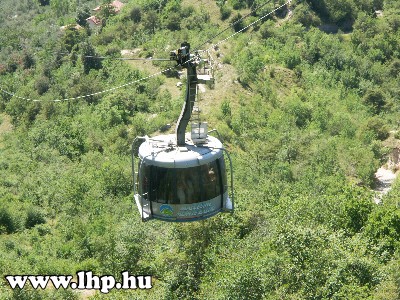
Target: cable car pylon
182, 177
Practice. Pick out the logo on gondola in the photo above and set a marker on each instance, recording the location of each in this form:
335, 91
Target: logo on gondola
166, 210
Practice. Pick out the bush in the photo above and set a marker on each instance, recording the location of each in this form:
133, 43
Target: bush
173, 22
136, 14
383, 228
188, 11
375, 99
33, 218
151, 21
7, 223
267, 29
42, 85
237, 4
112, 51
225, 12
301, 112
394, 68
28, 61
378, 127
12, 66
82, 15
305, 16
88, 61
237, 23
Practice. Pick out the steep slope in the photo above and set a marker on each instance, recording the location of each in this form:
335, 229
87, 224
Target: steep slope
303, 113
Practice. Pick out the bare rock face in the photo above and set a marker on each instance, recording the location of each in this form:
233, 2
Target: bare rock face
386, 175
394, 160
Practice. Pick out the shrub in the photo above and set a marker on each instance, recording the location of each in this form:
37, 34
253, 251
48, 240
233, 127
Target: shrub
237, 4
173, 22
237, 23
383, 228
226, 108
7, 223
394, 68
88, 61
375, 99
33, 218
267, 29
42, 85
82, 15
12, 66
225, 12
378, 127
187, 11
136, 14
28, 61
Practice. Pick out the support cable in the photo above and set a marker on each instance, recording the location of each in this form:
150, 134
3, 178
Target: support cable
157, 73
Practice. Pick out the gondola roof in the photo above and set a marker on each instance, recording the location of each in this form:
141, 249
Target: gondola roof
162, 151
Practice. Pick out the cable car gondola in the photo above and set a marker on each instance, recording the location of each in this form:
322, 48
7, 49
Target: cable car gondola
183, 177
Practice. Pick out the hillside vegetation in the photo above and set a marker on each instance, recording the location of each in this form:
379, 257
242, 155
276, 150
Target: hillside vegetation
303, 112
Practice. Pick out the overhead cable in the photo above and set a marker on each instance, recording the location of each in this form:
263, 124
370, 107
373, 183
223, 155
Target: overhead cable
153, 75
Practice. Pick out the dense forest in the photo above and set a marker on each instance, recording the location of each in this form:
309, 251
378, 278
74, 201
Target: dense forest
306, 100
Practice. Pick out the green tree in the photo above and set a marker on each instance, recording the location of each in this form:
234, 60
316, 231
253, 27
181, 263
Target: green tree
334, 11
89, 59
71, 38
237, 4
383, 227
82, 15
375, 99
42, 85
136, 14
237, 23
225, 12
151, 21
106, 11
61, 7
378, 127
28, 60
173, 22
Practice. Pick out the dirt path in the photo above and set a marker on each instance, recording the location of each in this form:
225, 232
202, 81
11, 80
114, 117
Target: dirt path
384, 175
385, 179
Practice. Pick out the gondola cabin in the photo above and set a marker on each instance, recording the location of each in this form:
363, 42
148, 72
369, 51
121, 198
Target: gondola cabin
185, 183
